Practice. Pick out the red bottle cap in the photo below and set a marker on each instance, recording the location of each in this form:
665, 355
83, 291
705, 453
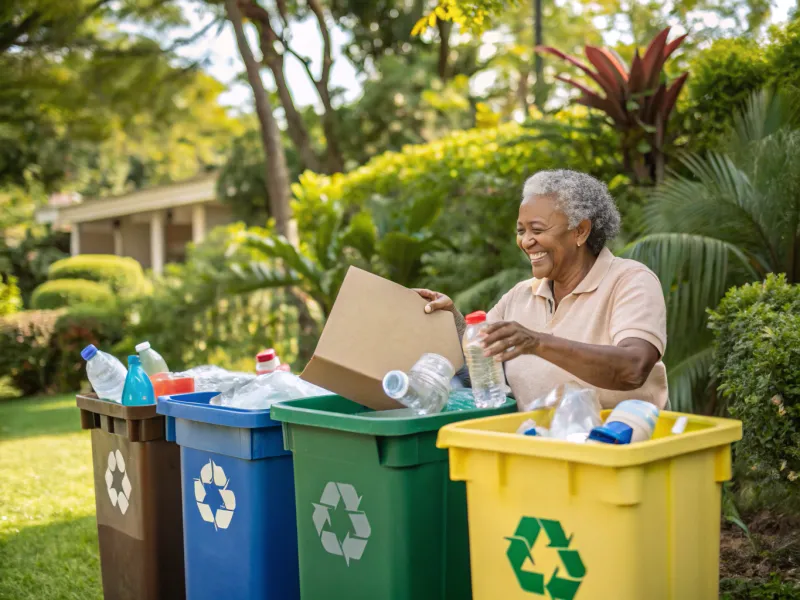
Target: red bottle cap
476, 317
265, 356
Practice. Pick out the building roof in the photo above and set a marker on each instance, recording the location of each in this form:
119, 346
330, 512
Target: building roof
191, 191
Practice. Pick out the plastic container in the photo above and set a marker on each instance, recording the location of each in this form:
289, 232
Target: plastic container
425, 388
593, 521
377, 517
267, 362
138, 501
485, 373
106, 374
152, 362
238, 500
138, 387
167, 384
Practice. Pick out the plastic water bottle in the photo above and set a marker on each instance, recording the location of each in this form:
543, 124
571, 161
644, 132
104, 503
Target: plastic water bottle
486, 374
105, 372
138, 387
268, 362
152, 362
425, 388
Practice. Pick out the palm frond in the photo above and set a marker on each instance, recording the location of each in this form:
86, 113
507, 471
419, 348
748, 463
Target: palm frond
764, 112
687, 377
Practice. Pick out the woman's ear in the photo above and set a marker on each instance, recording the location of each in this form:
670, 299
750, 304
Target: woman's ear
582, 231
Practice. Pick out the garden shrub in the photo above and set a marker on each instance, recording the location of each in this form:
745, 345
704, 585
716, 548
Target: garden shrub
25, 339
722, 78
10, 297
122, 274
80, 325
69, 292
757, 361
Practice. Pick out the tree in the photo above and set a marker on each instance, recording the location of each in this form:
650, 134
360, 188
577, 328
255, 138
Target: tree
277, 173
730, 220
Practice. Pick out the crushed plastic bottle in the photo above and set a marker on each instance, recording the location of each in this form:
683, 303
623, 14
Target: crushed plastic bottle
485, 373
425, 388
138, 387
460, 399
577, 413
152, 362
263, 391
210, 378
106, 374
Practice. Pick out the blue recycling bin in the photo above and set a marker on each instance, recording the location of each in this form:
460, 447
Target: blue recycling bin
239, 528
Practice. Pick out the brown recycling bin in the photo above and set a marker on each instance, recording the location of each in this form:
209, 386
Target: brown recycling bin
137, 483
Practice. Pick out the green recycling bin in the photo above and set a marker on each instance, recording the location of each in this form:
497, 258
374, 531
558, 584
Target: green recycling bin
377, 514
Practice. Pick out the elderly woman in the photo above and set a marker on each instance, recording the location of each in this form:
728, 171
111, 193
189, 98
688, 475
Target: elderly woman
586, 316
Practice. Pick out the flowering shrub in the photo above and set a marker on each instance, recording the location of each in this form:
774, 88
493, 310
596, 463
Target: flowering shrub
757, 361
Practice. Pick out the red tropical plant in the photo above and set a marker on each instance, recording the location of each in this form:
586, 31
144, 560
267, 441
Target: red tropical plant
639, 99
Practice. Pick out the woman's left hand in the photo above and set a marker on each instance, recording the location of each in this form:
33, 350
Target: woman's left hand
508, 339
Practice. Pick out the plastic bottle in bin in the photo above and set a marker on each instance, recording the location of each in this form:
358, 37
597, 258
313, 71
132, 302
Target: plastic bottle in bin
425, 388
152, 361
105, 372
486, 374
138, 387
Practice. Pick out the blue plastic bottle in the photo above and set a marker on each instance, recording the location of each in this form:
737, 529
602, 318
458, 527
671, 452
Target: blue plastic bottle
138, 388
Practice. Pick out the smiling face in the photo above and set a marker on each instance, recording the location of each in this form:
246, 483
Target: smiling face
543, 234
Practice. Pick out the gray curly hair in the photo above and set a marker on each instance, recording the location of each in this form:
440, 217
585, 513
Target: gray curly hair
579, 196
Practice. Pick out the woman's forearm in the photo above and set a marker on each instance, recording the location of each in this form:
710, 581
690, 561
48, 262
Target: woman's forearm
623, 367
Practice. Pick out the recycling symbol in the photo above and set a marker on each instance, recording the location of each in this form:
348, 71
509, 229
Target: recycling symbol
520, 551
221, 518
118, 498
352, 547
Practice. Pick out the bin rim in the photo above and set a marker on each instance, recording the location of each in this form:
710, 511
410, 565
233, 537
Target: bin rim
109, 408
480, 435
301, 412
194, 406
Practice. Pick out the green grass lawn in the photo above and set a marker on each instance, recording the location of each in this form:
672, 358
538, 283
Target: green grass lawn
48, 534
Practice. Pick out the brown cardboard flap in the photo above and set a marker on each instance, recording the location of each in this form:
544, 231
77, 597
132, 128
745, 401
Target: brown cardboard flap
377, 326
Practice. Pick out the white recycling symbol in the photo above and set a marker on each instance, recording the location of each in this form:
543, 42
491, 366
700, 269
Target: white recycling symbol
121, 498
221, 518
352, 547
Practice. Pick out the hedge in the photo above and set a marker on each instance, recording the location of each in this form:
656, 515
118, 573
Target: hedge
69, 292
122, 274
757, 361
27, 351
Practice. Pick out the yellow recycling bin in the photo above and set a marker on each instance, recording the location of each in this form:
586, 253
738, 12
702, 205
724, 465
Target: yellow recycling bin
563, 521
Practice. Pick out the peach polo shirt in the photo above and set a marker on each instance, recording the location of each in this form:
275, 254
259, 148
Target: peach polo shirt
617, 299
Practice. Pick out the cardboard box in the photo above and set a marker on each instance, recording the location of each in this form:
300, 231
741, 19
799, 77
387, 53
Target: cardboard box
377, 326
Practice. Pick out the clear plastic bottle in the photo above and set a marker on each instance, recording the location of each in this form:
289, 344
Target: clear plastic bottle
425, 388
138, 387
152, 362
486, 374
105, 372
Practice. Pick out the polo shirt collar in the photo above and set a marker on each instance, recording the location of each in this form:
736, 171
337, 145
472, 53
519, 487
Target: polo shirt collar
541, 287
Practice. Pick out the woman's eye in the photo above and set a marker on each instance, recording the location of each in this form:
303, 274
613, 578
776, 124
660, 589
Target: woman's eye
520, 232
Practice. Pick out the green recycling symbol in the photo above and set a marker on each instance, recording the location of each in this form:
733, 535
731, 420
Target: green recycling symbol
520, 551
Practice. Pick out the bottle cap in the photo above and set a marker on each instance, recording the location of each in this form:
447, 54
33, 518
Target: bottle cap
143, 346
478, 316
265, 356
395, 384
88, 352
615, 432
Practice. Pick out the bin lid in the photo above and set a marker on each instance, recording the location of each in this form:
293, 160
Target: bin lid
335, 412
195, 407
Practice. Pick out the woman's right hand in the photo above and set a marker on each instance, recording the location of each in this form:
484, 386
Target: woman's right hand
436, 301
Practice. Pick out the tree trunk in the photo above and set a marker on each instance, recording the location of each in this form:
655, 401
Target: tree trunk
445, 27
539, 87
295, 126
277, 173
329, 118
